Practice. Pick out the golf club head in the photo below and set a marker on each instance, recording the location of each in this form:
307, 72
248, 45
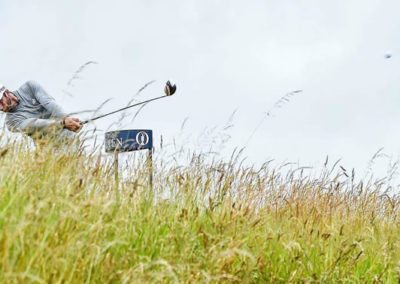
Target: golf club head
169, 89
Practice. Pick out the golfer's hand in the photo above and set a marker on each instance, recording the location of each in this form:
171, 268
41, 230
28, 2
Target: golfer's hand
72, 123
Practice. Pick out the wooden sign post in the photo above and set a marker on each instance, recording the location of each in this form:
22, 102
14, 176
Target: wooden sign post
130, 140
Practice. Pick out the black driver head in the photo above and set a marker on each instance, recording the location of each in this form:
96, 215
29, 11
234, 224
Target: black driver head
169, 89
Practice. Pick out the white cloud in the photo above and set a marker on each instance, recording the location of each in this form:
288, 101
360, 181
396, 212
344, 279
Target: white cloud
223, 55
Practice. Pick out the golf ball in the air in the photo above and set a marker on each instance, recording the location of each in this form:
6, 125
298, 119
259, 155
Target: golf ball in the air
388, 55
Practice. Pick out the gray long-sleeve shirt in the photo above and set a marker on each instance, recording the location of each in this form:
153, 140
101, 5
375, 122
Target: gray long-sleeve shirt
36, 112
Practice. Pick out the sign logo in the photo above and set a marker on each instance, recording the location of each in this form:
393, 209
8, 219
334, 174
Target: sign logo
142, 138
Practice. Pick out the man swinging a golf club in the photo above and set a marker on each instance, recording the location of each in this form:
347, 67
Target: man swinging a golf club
32, 111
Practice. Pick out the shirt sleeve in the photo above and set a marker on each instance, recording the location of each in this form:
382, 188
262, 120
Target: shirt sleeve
31, 125
46, 100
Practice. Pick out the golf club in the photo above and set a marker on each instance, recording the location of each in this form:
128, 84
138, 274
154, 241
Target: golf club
169, 90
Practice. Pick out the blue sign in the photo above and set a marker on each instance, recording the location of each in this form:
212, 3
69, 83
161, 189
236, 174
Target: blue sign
129, 140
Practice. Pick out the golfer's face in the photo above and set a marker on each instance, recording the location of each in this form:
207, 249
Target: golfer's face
6, 101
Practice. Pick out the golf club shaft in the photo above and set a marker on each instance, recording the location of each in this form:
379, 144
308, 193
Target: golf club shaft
121, 109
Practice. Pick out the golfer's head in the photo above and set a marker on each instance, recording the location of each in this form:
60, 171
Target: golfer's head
7, 99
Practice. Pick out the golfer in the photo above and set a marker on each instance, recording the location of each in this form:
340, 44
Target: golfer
30, 110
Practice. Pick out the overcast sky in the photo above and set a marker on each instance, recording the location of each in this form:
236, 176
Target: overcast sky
223, 55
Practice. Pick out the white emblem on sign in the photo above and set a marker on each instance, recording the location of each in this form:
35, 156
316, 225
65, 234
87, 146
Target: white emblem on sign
142, 138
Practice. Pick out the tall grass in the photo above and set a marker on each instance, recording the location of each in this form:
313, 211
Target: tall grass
64, 219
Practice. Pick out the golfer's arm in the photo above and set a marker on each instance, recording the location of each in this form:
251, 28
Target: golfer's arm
32, 125
46, 100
